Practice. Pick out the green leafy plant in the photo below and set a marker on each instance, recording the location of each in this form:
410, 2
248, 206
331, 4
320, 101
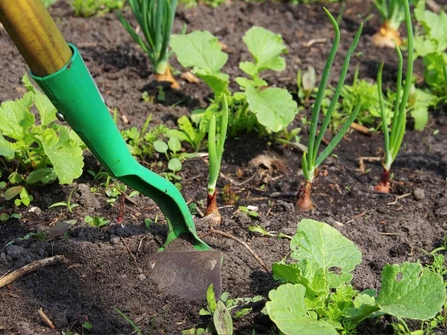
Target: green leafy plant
58, 229
87, 8
392, 13
366, 94
96, 221
430, 44
250, 211
317, 297
223, 311
155, 18
393, 138
257, 105
36, 152
67, 204
311, 161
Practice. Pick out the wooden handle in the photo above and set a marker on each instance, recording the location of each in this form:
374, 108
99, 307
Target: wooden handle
35, 34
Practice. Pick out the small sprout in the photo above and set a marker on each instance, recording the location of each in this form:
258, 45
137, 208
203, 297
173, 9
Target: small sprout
96, 221
251, 211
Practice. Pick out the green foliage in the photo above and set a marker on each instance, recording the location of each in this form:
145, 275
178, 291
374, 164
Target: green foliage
430, 44
48, 3
222, 312
155, 18
249, 211
36, 151
96, 221
195, 3
393, 139
311, 161
273, 108
67, 204
58, 229
87, 8
136, 329
317, 297
392, 11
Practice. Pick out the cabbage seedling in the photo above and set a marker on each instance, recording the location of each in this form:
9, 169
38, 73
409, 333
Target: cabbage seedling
393, 138
155, 18
392, 13
310, 160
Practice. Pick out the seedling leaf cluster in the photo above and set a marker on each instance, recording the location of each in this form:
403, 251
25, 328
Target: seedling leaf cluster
317, 297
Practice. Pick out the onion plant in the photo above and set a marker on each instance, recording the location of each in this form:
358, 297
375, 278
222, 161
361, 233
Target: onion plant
392, 13
311, 159
393, 138
155, 18
215, 152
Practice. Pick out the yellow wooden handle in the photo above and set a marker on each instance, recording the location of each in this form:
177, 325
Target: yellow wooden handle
35, 34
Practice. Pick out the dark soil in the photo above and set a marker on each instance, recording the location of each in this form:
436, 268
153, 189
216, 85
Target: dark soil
108, 267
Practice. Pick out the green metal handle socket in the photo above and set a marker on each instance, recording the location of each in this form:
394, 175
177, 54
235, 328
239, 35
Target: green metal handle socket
78, 101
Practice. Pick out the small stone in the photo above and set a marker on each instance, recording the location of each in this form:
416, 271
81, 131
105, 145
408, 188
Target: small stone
15, 251
141, 277
114, 239
229, 244
419, 194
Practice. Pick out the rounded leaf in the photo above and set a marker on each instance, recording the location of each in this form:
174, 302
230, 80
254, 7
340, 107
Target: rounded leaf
160, 146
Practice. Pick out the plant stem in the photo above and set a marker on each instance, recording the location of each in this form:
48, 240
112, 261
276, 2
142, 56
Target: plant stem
215, 152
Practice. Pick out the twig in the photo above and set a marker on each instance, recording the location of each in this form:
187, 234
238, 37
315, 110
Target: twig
130, 251
31, 267
232, 181
397, 198
215, 231
367, 159
313, 41
360, 128
46, 319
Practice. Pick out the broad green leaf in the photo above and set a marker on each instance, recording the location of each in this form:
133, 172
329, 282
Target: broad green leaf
13, 192
419, 103
266, 48
287, 309
222, 320
160, 146
319, 242
6, 148
15, 117
44, 175
46, 109
175, 165
217, 82
199, 49
249, 68
433, 24
364, 306
273, 107
64, 154
174, 144
410, 292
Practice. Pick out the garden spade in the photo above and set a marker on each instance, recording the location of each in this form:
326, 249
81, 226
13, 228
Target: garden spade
59, 70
